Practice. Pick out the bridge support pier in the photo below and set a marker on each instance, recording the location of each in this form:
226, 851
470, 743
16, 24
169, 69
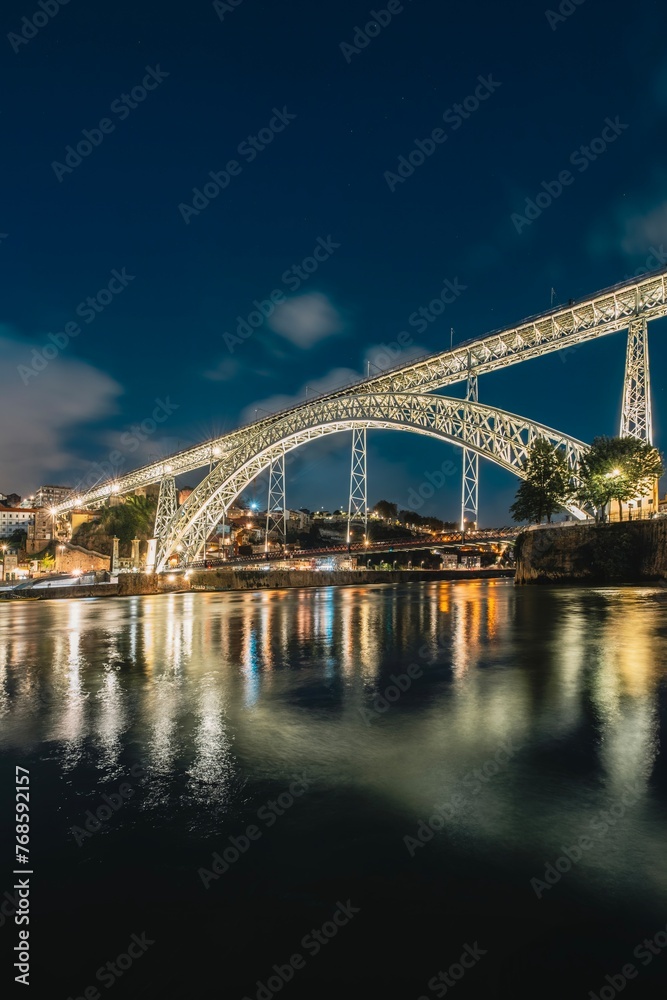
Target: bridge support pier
276, 509
636, 407
167, 505
470, 485
358, 506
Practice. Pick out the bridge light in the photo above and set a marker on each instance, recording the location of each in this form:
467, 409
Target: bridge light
115, 488
168, 468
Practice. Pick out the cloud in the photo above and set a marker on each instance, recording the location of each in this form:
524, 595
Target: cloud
334, 379
226, 370
645, 230
634, 227
306, 320
384, 356
39, 419
380, 356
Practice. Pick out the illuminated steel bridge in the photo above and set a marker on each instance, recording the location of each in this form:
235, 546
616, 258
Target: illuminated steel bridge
403, 398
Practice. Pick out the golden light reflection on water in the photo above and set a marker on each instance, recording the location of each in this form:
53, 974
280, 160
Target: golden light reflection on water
186, 680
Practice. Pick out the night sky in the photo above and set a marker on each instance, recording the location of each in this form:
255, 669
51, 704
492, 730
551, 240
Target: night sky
338, 120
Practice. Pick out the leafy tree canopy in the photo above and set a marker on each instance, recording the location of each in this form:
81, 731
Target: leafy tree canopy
546, 488
617, 468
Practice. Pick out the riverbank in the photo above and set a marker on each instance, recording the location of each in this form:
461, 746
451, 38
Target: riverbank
622, 552
223, 579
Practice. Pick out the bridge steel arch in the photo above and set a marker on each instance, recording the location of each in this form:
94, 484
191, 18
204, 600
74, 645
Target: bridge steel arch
495, 434
626, 305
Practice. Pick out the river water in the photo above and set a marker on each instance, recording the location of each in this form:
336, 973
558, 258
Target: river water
341, 792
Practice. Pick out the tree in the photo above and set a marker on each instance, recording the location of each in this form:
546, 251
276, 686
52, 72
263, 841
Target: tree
387, 510
546, 488
17, 539
47, 563
619, 468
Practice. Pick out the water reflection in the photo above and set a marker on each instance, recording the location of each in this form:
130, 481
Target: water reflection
207, 690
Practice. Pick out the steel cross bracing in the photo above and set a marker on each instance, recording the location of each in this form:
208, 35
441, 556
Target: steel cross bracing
276, 509
167, 505
358, 505
470, 484
598, 315
636, 408
500, 436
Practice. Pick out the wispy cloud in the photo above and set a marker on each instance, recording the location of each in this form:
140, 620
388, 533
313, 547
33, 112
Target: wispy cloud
633, 226
226, 370
645, 230
306, 320
38, 420
334, 379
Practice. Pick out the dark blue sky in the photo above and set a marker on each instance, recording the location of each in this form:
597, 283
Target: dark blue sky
322, 176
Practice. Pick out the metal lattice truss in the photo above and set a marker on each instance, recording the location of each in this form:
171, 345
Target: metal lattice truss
470, 485
358, 506
636, 407
556, 330
167, 505
276, 508
495, 434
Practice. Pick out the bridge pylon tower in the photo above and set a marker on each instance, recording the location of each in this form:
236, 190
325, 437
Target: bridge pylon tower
636, 418
358, 505
276, 508
167, 505
470, 484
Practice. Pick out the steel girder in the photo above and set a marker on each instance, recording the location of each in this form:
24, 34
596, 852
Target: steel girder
636, 408
470, 484
358, 502
167, 505
604, 313
276, 507
495, 434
